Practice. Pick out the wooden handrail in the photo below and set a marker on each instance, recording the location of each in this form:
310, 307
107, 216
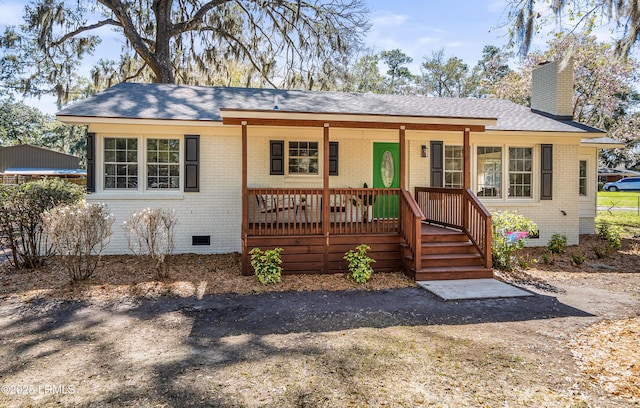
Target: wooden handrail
478, 225
301, 211
411, 217
458, 208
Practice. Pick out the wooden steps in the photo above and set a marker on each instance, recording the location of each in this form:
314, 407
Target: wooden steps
448, 254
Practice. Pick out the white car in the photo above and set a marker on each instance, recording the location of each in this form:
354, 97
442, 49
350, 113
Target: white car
629, 183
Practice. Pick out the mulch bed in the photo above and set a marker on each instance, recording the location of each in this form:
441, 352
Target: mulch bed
120, 276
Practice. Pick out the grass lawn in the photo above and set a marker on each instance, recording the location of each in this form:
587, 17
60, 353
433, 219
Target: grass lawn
618, 199
629, 221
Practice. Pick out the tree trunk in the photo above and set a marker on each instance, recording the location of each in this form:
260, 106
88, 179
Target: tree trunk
164, 28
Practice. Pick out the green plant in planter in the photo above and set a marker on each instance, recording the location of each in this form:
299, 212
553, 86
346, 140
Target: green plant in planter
360, 269
266, 265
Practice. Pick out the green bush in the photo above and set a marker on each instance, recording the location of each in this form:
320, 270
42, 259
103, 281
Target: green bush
266, 265
611, 234
548, 258
526, 262
557, 244
21, 210
578, 257
505, 243
360, 269
602, 251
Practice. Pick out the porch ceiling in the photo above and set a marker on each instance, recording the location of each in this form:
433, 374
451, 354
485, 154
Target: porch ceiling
361, 121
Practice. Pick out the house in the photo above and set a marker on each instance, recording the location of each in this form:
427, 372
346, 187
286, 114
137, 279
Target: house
248, 168
24, 162
607, 174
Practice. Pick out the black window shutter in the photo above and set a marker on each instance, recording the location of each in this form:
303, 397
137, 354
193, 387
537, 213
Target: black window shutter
277, 157
192, 163
546, 179
437, 163
91, 162
333, 158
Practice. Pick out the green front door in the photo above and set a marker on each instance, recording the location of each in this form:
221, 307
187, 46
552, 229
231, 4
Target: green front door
386, 174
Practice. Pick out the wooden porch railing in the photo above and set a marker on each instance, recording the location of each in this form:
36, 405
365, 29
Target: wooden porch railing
291, 211
411, 227
458, 208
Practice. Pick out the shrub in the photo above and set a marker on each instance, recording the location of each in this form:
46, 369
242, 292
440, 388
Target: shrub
360, 269
578, 257
525, 262
505, 241
150, 233
557, 244
548, 258
611, 234
79, 233
266, 265
602, 251
21, 209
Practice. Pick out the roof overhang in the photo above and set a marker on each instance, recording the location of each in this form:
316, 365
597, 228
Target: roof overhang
362, 121
601, 143
89, 120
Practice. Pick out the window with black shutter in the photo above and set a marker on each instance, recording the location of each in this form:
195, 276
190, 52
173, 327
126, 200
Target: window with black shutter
437, 163
546, 179
276, 148
91, 162
192, 163
333, 158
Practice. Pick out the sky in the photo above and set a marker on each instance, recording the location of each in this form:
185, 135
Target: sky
417, 27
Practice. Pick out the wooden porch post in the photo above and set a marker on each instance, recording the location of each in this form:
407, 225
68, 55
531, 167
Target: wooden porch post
466, 179
467, 160
403, 155
325, 199
245, 202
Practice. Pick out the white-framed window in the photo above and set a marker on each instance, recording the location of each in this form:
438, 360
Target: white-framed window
453, 166
120, 163
142, 163
489, 171
303, 158
163, 163
505, 172
582, 179
520, 172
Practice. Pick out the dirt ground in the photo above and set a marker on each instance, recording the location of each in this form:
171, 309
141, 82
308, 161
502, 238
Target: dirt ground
210, 337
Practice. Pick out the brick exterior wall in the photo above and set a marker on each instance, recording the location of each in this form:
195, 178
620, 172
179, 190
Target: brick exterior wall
214, 211
552, 88
548, 215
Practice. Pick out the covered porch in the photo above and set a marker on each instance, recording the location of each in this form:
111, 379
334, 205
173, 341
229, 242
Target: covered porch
430, 233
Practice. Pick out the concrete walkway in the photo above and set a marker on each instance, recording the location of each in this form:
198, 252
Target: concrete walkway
463, 289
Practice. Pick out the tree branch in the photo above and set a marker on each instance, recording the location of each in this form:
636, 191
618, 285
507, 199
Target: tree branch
86, 28
131, 33
230, 38
136, 74
193, 22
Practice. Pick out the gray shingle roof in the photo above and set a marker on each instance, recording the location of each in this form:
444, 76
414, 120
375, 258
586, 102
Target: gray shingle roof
181, 102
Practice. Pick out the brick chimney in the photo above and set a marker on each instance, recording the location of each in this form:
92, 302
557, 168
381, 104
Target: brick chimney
552, 89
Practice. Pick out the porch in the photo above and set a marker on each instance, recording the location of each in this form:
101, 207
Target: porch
438, 233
